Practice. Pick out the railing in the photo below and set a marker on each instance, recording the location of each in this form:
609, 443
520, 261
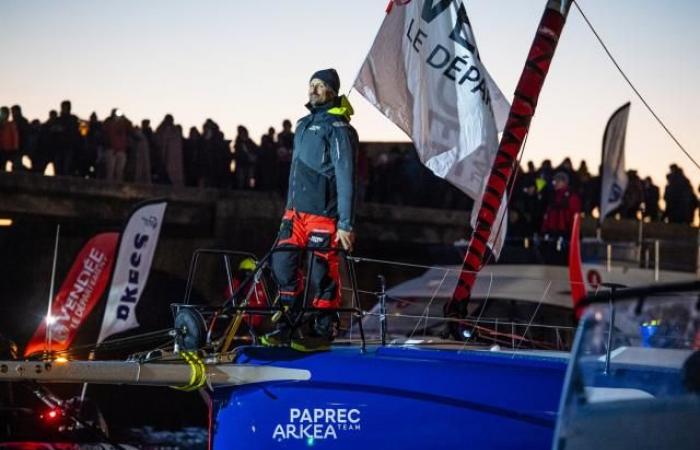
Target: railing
236, 306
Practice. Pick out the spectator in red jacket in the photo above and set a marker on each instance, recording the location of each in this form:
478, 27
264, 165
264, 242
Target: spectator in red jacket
560, 212
9, 139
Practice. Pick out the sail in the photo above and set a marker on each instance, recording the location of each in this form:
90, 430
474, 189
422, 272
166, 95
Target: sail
80, 292
136, 249
614, 178
578, 286
425, 74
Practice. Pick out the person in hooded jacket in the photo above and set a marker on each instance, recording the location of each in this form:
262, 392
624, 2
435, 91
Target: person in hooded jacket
320, 207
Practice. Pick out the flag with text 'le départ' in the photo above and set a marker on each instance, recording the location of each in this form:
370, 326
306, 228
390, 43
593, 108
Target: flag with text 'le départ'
78, 295
133, 264
614, 179
425, 74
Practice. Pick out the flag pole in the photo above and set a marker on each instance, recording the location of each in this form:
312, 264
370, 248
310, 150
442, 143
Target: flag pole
49, 318
523, 108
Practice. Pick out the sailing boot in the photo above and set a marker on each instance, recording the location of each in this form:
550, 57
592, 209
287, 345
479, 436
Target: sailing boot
323, 329
280, 336
283, 320
453, 328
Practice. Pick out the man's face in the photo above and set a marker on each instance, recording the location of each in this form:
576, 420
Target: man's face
319, 93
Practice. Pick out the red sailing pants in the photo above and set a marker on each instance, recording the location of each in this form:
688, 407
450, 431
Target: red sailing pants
300, 229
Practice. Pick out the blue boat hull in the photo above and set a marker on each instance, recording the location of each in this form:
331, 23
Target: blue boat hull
386, 397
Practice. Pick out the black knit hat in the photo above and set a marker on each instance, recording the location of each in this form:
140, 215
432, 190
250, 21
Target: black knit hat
328, 76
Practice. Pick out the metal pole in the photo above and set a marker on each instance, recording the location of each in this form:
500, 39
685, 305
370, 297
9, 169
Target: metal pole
49, 317
382, 308
647, 257
229, 277
609, 257
613, 288
640, 237
657, 263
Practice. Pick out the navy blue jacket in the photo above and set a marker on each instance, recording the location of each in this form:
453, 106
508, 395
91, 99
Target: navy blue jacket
322, 176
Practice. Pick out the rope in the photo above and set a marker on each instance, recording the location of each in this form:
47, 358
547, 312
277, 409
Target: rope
198, 375
120, 343
629, 82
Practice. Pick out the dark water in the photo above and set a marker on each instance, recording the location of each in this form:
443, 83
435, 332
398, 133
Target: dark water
190, 438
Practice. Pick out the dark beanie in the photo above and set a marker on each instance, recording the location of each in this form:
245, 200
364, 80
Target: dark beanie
328, 76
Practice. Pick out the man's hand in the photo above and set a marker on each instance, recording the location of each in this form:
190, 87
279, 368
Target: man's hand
346, 238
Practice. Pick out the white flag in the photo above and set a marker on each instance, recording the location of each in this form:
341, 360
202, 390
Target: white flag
424, 73
614, 178
137, 245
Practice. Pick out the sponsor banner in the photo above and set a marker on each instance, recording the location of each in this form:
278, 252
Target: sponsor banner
80, 292
136, 249
614, 180
425, 74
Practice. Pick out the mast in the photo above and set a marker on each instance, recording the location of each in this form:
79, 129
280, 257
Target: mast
517, 126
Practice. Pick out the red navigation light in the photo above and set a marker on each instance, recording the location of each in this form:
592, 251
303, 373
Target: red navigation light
51, 415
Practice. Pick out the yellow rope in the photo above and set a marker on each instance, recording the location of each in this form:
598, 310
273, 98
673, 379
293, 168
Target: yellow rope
198, 374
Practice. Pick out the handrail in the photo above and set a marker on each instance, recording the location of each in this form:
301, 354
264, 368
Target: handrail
233, 303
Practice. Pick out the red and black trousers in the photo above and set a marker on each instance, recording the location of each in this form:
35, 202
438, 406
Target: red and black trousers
299, 229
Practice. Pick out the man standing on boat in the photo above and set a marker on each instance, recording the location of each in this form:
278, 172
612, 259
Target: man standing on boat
320, 207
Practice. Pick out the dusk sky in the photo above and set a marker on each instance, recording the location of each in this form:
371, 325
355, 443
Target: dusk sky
248, 62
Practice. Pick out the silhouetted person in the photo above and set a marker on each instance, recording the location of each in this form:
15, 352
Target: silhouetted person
633, 197
651, 199
95, 147
68, 138
9, 140
216, 162
169, 138
679, 197
117, 129
546, 172
33, 142
141, 156
266, 170
46, 147
157, 167
193, 161
528, 204
285, 147
246, 158
23, 133
567, 167
584, 180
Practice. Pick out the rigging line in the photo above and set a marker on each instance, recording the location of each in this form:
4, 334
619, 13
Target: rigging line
426, 311
116, 343
470, 321
629, 82
532, 319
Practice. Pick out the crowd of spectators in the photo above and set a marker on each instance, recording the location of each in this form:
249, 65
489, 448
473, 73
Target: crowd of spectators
541, 193
541, 199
